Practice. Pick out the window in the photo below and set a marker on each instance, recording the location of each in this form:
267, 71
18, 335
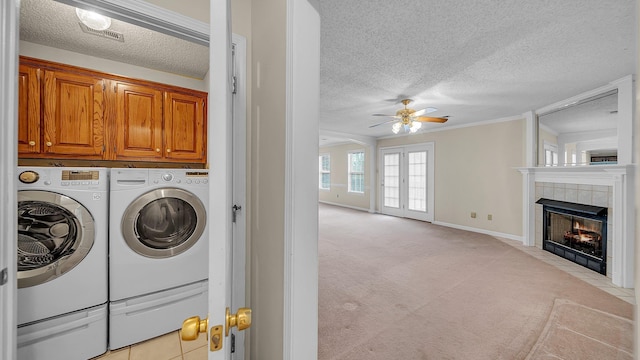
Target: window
325, 172
550, 154
356, 172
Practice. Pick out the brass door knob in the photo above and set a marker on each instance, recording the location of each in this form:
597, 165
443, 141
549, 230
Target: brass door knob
49, 143
32, 143
168, 150
157, 150
242, 320
192, 327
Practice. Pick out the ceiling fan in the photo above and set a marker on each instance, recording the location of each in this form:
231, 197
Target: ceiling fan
410, 119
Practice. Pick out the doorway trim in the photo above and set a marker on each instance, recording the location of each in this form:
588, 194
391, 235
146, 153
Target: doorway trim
9, 36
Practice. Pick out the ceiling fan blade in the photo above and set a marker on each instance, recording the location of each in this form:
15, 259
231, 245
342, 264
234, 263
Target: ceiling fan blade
382, 123
431, 119
424, 111
393, 116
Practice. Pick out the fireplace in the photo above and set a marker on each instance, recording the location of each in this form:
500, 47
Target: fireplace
576, 232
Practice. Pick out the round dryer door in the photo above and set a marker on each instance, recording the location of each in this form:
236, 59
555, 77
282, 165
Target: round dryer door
163, 222
55, 233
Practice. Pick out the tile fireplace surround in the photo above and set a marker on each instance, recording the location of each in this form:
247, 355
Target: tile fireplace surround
608, 186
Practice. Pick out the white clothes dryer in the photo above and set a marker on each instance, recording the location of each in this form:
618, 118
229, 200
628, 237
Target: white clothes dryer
158, 255
62, 262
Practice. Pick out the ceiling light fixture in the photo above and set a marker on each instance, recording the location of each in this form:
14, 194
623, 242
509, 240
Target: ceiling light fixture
409, 126
409, 119
93, 20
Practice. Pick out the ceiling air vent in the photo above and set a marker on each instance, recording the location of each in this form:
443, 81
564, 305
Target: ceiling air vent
109, 34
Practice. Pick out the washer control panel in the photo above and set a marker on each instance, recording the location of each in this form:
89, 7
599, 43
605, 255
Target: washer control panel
74, 179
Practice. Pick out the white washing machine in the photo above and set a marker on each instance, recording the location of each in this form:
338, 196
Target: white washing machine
62, 262
158, 251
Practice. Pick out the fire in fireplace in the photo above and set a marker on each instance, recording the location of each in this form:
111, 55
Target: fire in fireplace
576, 232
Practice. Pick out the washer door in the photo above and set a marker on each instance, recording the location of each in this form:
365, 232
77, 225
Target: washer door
163, 222
55, 233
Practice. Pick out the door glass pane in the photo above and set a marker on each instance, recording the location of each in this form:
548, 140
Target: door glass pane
392, 180
417, 181
166, 223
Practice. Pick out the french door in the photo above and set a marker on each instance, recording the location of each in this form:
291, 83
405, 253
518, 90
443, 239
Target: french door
406, 181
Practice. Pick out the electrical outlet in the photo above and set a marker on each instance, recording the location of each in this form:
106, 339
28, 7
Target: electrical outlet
473, 214
489, 217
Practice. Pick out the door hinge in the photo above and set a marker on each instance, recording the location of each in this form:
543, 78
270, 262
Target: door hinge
234, 83
4, 276
234, 211
233, 343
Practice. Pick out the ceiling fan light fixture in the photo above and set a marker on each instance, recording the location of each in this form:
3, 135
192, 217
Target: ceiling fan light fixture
396, 127
93, 20
415, 126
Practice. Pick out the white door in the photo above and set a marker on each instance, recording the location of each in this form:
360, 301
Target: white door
407, 181
391, 181
238, 217
220, 150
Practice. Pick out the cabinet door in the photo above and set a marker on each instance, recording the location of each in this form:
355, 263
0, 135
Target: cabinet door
138, 122
28, 110
185, 127
73, 115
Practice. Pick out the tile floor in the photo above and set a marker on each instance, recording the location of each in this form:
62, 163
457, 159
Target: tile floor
589, 276
165, 347
171, 347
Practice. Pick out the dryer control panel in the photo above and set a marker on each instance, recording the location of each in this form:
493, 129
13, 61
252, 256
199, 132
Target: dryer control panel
184, 177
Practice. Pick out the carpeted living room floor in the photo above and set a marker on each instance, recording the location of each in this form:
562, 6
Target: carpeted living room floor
393, 288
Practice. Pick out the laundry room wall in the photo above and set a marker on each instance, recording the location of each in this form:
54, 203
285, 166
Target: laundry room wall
108, 66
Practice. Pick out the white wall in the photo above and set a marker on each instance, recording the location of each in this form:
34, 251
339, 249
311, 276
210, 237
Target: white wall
475, 172
108, 66
268, 112
339, 194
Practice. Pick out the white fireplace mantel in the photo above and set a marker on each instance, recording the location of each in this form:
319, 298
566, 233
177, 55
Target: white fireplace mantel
619, 177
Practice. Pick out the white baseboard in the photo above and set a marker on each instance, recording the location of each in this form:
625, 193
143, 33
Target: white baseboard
343, 205
481, 231
455, 226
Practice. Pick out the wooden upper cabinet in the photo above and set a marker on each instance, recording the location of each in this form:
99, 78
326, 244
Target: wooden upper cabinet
185, 127
66, 112
29, 110
73, 115
138, 122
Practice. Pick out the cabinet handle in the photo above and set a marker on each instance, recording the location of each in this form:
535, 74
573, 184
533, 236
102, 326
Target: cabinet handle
168, 150
32, 143
157, 150
49, 143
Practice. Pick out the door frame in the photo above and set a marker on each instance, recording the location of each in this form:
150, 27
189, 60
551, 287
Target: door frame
9, 36
430, 148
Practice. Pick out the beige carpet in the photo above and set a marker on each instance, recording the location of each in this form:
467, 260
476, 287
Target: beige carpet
392, 288
578, 332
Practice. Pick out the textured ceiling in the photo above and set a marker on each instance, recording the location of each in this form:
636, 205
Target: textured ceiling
473, 60
49, 23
